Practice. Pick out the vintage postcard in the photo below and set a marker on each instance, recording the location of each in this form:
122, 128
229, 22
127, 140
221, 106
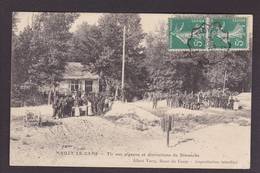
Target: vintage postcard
131, 90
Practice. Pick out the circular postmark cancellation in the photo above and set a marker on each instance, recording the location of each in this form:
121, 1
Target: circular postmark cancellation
211, 32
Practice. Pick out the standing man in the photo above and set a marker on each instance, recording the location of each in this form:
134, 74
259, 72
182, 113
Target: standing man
168, 99
55, 106
155, 101
85, 100
59, 107
231, 102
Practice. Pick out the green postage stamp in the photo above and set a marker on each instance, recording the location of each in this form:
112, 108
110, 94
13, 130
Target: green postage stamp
186, 33
213, 32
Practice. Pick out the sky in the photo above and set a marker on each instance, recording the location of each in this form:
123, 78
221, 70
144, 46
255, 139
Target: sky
149, 22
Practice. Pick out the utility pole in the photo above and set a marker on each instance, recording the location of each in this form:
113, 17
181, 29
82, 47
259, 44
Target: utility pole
123, 68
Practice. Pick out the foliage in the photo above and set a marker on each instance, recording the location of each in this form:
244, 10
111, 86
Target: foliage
21, 61
194, 71
237, 66
50, 44
100, 48
15, 20
39, 53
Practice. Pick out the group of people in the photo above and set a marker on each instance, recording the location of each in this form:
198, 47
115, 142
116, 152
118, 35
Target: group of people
194, 101
76, 104
218, 99
189, 101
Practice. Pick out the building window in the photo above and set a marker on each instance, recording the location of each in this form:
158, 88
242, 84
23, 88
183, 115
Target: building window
74, 85
88, 86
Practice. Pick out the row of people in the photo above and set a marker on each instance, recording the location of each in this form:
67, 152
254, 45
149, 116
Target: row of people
217, 99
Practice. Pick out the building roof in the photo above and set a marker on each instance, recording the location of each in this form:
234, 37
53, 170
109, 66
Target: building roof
75, 70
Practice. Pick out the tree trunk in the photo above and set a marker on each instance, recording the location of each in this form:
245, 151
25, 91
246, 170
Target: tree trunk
52, 89
116, 92
107, 87
49, 97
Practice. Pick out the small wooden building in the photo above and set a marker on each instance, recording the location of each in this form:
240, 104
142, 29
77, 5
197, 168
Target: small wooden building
78, 78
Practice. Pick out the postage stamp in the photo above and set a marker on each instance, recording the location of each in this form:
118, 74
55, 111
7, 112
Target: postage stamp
213, 32
187, 33
228, 33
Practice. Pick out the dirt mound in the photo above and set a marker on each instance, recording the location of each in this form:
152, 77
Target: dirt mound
44, 111
132, 116
244, 100
183, 112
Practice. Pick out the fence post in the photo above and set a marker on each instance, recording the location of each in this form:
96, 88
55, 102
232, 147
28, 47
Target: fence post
169, 127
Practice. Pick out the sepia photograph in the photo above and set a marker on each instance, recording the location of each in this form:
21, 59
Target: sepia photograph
135, 90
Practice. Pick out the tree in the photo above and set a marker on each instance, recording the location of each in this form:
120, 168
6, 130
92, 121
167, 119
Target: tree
49, 47
21, 62
111, 26
189, 71
167, 70
15, 20
86, 44
100, 48
236, 65
14, 62
193, 71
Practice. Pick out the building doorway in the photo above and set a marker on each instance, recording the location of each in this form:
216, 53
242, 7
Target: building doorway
88, 86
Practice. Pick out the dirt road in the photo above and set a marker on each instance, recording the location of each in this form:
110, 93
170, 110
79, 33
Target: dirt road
89, 140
